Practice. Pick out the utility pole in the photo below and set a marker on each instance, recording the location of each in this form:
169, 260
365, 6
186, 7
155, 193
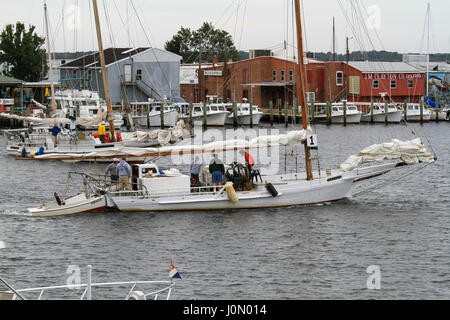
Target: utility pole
104, 73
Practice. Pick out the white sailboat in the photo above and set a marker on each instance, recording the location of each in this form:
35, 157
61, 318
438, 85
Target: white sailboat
160, 191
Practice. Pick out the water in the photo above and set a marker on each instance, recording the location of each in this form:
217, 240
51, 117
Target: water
312, 252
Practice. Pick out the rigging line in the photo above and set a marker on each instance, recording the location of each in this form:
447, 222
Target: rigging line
243, 23
225, 12
146, 36
391, 181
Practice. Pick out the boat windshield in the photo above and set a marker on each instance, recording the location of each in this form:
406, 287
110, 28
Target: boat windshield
177, 100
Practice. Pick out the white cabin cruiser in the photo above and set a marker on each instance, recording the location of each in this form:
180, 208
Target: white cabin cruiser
353, 115
244, 115
413, 113
394, 114
153, 117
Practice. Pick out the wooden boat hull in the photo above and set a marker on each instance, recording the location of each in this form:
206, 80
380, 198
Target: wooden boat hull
78, 204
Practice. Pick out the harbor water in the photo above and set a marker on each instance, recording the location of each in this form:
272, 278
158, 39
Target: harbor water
399, 222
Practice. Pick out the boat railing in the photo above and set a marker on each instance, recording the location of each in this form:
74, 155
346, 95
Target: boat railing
162, 288
192, 191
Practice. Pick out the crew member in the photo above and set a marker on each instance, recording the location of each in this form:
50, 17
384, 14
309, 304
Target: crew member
102, 132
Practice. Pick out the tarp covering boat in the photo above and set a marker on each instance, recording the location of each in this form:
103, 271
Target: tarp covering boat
411, 152
290, 139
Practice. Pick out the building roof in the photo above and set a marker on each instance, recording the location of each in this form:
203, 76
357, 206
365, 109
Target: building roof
112, 55
4, 80
434, 66
383, 67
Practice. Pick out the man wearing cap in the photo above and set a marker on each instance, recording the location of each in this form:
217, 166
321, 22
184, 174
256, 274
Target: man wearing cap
102, 132
113, 171
124, 171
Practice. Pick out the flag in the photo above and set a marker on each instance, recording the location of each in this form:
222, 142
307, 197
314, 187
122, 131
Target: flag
173, 273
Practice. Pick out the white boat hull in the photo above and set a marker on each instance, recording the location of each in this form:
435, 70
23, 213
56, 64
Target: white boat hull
170, 119
244, 120
351, 118
291, 193
212, 119
75, 205
393, 117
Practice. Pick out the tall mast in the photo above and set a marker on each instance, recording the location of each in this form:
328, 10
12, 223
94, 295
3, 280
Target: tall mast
334, 40
49, 53
104, 73
301, 86
428, 50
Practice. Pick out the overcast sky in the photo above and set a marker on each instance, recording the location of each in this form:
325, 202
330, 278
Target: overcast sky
255, 24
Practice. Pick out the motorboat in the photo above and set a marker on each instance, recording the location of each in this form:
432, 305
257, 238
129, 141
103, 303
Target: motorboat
216, 114
244, 115
83, 104
413, 113
128, 290
148, 114
338, 113
394, 114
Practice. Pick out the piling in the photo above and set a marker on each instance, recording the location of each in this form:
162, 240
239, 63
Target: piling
421, 111
191, 106
162, 116
251, 115
205, 116
345, 113
437, 110
295, 111
328, 112
405, 110
386, 113
286, 114
271, 112
312, 112
371, 112
279, 111
235, 114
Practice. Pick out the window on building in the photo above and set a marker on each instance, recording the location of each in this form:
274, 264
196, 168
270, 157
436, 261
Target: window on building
410, 84
138, 74
274, 75
183, 93
291, 75
283, 76
376, 84
393, 84
245, 76
339, 78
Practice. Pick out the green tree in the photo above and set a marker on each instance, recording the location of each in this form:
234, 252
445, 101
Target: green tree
207, 40
21, 53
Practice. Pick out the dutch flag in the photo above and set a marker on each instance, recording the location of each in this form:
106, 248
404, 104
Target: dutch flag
173, 273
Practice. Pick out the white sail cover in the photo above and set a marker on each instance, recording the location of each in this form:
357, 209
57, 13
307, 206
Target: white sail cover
411, 152
290, 139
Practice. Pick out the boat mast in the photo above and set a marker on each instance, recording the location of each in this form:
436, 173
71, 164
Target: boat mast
104, 73
301, 87
49, 53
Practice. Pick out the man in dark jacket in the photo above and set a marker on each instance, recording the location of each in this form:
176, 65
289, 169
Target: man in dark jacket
217, 169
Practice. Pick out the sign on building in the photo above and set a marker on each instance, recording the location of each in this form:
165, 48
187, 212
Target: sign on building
213, 73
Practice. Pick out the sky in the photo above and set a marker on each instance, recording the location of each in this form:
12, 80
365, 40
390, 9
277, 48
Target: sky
254, 24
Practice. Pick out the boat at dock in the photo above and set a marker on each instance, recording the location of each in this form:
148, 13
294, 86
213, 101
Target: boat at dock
340, 113
243, 114
413, 113
394, 113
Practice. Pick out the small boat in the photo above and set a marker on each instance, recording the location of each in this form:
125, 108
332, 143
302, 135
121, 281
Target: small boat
93, 199
353, 115
394, 114
244, 114
216, 114
413, 113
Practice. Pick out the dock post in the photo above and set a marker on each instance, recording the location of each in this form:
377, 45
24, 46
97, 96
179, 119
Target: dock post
295, 111
328, 111
205, 121
162, 116
386, 113
271, 112
251, 114
279, 110
437, 110
286, 114
421, 111
191, 107
148, 116
345, 113
371, 111
235, 115
405, 110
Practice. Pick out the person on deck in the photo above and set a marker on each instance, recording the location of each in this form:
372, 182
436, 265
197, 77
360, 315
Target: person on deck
249, 160
124, 171
113, 171
217, 169
30, 128
55, 131
196, 167
102, 132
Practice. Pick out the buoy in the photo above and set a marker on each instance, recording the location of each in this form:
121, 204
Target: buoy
272, 190
232, 195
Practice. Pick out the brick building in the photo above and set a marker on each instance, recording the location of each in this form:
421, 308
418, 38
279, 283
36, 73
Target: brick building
265, 79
